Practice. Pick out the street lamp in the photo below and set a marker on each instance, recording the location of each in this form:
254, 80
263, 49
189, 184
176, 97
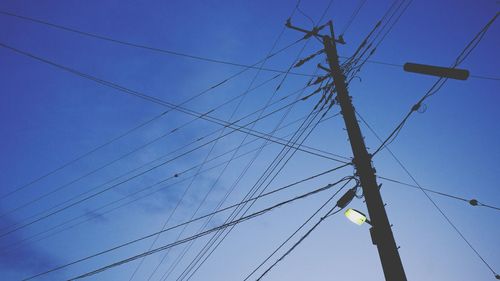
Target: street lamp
447, 72
356, 217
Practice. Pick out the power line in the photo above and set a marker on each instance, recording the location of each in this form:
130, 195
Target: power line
120, 88
327, 8
304, 14
297, 230
125, 90
352, 64
222, 201
182, 54
34, 20
204, 216
144, 189
249, 164
232, 223
130, 178
253, 190
472, 202
177, 174
236, 212
353, 16
141, 46
131, 130
329, 213
368, 46
485, 77
82, 156
403, 10
278, 140
235, 110
110, 163
230, 190
232, 216
123, 156
165, 276
258, 185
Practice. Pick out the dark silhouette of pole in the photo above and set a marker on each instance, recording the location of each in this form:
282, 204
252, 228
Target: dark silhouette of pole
380, 231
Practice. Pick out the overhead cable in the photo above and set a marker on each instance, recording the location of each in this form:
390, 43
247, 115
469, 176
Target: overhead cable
261, 212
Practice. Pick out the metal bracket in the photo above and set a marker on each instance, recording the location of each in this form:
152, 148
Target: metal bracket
324, 68
315, 31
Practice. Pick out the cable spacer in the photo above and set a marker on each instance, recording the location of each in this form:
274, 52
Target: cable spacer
473, 202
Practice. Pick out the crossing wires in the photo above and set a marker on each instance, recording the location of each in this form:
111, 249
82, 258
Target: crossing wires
324, 188
426, 193
439, 83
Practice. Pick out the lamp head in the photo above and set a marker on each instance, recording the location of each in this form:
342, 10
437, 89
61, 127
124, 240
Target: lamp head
356, 216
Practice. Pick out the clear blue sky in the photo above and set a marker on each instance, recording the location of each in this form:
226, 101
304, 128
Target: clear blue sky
49, 117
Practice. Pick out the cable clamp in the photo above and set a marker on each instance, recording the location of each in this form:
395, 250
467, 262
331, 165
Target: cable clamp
416, 107
473, 202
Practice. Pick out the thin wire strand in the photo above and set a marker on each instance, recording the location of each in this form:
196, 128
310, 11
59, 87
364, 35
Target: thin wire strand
328, 214
123, 156
187, 222
353, 16
319, 21
182, 54
235, 213
4, 250
253, 215
80, 157
297, 230
282, 141
122, 89
139, 46
441, 193
262, 180
128, 179
232, 223
235, 110
246, 169
19, 188
231, 216
230, 190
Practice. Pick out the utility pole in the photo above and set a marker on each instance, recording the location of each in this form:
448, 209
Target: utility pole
381, 231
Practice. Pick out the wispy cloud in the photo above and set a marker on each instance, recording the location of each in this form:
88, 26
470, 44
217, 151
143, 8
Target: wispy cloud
21, 259
96, 216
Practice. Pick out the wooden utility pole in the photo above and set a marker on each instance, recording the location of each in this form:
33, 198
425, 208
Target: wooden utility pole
381, 231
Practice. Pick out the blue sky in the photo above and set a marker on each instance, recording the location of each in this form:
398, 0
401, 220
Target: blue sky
49, 117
